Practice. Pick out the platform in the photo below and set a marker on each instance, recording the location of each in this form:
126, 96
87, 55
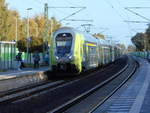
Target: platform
18, 73
14, 79
134, 96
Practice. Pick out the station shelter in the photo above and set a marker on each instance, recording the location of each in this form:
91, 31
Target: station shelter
7, 55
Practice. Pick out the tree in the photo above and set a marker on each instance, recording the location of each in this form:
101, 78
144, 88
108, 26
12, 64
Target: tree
3, 18
138, 41
36, 33
142, 40
7, 22
8, 27
148, 31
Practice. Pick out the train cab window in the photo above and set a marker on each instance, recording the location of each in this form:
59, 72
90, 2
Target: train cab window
63, 43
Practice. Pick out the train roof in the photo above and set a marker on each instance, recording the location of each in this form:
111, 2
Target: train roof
89, 37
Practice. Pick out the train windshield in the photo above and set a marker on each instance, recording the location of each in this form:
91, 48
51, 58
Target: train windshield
63, 43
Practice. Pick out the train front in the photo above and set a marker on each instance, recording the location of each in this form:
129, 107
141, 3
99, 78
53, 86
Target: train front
63, 52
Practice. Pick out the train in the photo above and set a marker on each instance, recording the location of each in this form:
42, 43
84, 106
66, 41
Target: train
75, 51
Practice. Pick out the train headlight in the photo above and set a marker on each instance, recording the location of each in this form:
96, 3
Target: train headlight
70, 57
57, 57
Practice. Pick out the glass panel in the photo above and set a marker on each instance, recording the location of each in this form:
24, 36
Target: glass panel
63, 43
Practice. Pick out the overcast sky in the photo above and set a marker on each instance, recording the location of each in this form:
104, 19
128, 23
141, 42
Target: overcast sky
108, 15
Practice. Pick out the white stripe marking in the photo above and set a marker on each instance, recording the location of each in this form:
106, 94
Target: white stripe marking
136, 107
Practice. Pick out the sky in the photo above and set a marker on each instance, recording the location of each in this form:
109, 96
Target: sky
108, 16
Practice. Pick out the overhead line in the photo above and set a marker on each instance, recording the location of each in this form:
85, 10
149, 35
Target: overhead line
119, 13
138, 7
115, 9
136, 21
137, 14
66, 7
72, 14
129, 26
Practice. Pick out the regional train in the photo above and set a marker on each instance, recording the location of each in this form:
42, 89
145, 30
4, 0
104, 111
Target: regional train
74, 51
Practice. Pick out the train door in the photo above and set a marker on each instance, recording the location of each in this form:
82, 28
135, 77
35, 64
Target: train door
112, 54
109, 53
115, 53
100, 56
106, 53
85, 60
90, 56
93, 57
103, 55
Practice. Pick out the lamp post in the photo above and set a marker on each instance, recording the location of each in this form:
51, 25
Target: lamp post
16, 29
28, 32
1, 22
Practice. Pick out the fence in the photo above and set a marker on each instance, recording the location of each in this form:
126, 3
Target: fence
7, 55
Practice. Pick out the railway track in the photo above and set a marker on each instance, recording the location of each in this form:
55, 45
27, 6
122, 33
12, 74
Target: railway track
62, 94
28, 91
31, 89
104, 92
128, 73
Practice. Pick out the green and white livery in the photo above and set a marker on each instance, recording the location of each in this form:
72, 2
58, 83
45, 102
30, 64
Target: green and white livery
75, 51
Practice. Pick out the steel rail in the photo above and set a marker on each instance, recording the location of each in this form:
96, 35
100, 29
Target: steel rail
29, 90
116, 89
87, 93
26, 92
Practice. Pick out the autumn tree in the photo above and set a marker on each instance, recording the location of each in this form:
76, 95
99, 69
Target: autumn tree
3, 17
10, 21
36, 29
138, 41
142, 40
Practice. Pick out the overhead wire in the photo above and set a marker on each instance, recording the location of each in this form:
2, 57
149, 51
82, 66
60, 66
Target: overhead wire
77, 5
130, 9
133, 29
128, 18
109, 3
